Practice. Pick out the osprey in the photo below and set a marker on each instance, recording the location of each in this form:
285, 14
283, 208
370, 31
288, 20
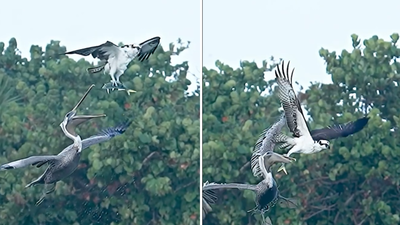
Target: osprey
117, 59
304, 141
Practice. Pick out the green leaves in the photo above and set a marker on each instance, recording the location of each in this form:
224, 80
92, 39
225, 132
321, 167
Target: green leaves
162, 141
359, 172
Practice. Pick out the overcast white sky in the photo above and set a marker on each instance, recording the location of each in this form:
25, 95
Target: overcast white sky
78, 24
232, 30
254, 30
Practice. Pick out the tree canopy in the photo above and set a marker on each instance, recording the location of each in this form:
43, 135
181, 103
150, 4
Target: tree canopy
355, 182
148, 175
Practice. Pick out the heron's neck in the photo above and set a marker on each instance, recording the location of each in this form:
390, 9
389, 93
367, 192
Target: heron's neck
266, 171
269, 179
77, 142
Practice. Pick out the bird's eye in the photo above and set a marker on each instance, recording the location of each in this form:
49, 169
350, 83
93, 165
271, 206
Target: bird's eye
69, 114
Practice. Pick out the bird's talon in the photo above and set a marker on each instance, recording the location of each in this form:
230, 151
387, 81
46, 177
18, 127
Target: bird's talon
282, 168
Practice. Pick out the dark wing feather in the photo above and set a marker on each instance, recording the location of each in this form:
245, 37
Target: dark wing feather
290, 102
209, 197
340, 130
147, 48
101, 51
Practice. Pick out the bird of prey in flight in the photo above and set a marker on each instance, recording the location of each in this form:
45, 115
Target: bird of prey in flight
117, 59
303, 140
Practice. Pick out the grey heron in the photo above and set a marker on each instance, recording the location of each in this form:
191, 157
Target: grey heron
117, 59
265, 144
64, 164
304, 141
267, 193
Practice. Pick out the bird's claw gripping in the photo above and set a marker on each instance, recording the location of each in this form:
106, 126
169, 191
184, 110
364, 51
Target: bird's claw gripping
108, 86
128, 91
120, 87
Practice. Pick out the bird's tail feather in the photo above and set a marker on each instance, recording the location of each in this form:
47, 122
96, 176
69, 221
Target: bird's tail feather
96, 69
280, 138
286, 142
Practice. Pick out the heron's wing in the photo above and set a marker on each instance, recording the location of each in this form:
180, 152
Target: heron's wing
213, 186
33, 160
265, 143
102, 52
206, 208
290, 203
147, 48
103, 136
294, 114
209, 197
339, 130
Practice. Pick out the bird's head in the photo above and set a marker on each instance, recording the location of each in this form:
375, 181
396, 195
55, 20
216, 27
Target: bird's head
324, 144
68, 117
135, 46
72, 115
271, 158
131, 50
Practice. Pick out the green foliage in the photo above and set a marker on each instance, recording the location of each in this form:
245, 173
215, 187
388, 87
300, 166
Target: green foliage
141, 177
355, 182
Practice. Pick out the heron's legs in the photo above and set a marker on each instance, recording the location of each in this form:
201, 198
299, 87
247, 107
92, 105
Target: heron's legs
37, 181
48, 188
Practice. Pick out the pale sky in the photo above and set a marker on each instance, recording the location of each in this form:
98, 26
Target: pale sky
79, 24
254, 30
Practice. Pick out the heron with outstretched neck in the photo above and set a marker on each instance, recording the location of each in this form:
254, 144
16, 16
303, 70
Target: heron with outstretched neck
64, 164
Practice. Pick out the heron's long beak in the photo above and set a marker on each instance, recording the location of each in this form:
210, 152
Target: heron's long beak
83, 98
278, 158
88, 117
78, 119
